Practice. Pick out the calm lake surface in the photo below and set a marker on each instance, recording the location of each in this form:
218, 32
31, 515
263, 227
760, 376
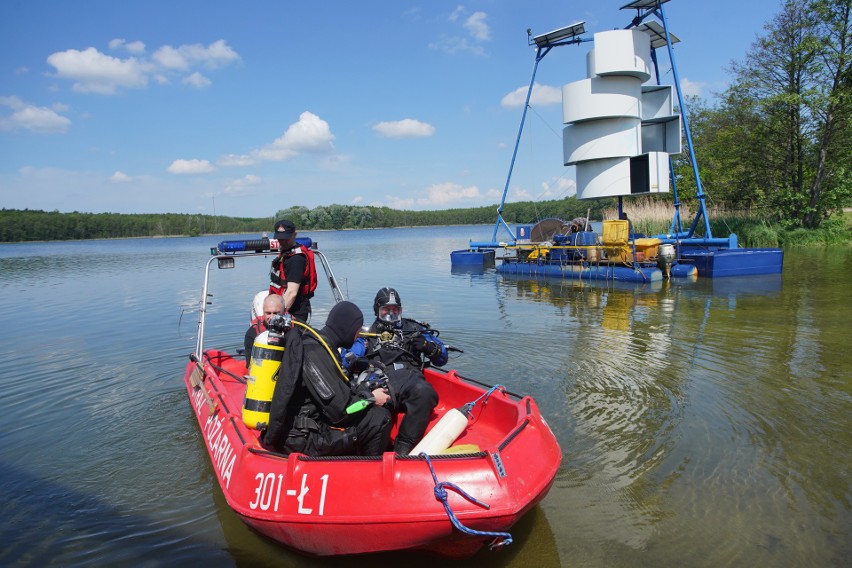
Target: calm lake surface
702, 423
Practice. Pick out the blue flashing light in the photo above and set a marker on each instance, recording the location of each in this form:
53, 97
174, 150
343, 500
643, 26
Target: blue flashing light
256, 245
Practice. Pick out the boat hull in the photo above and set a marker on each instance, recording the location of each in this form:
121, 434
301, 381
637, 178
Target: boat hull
357, 505
581, 271
734, 261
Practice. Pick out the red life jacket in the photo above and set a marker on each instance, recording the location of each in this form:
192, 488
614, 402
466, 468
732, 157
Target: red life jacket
309, 276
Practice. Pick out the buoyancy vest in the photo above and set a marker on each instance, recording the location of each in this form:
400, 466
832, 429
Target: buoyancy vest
259, 326
329, 395
309, 277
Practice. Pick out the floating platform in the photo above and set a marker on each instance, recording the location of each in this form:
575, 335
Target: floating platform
734, 262
555, 248
473, 257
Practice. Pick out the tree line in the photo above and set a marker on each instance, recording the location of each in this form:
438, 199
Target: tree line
18, 225
368, 217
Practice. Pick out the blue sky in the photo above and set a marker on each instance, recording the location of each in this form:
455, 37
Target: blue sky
245, 108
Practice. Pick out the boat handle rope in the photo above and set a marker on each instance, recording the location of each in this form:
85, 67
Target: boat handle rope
468, 408
500, 538
484, 398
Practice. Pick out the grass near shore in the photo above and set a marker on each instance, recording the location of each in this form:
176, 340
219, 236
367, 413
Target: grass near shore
652, 217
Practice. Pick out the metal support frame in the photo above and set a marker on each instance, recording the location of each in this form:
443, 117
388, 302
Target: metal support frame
539, 55
205, 295
676, 230
659, 11
541, 51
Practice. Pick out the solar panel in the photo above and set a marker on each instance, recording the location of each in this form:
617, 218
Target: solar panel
562, 34
657, 33
643, 4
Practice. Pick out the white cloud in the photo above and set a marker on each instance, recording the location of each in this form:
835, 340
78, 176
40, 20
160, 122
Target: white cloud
34, 118
493, 195
120, 177
474, 25
190, 167
309, 134
554, 188
234, 160
183, 57
135, 47
562, 187
170, 58
438, 195
197, 80
692, 88
405, 128
243, 184
96, 72
478, 27
550, 189
449, 192
542, 95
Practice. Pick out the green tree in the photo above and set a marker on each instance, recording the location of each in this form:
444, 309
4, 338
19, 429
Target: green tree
791, 95
833, 179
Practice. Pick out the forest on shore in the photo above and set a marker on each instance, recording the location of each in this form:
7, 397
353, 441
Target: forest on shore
31, 225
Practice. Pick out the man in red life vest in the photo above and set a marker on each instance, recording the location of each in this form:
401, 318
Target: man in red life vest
272, 305
293, 273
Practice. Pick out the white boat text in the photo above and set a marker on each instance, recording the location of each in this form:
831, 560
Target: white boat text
268, 493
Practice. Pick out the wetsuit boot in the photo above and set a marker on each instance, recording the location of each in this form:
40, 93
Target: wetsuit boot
402, 447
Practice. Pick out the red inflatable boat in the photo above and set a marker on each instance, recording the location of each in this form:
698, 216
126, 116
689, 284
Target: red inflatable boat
451, 504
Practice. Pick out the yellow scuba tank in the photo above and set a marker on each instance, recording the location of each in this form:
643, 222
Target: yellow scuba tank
266, 359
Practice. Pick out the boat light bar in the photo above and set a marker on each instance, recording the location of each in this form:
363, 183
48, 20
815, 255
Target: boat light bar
256, 245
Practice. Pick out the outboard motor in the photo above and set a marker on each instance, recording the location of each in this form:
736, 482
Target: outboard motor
665, 258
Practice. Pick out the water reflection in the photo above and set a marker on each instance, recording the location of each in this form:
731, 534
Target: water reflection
662, 415
702, 423
533, 544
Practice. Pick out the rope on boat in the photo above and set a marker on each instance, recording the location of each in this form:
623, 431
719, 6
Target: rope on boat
468, 408
500, 538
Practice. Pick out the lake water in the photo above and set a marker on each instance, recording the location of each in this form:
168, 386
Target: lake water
702, 423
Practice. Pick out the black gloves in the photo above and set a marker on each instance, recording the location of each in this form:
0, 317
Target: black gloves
358, 365
425, 346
